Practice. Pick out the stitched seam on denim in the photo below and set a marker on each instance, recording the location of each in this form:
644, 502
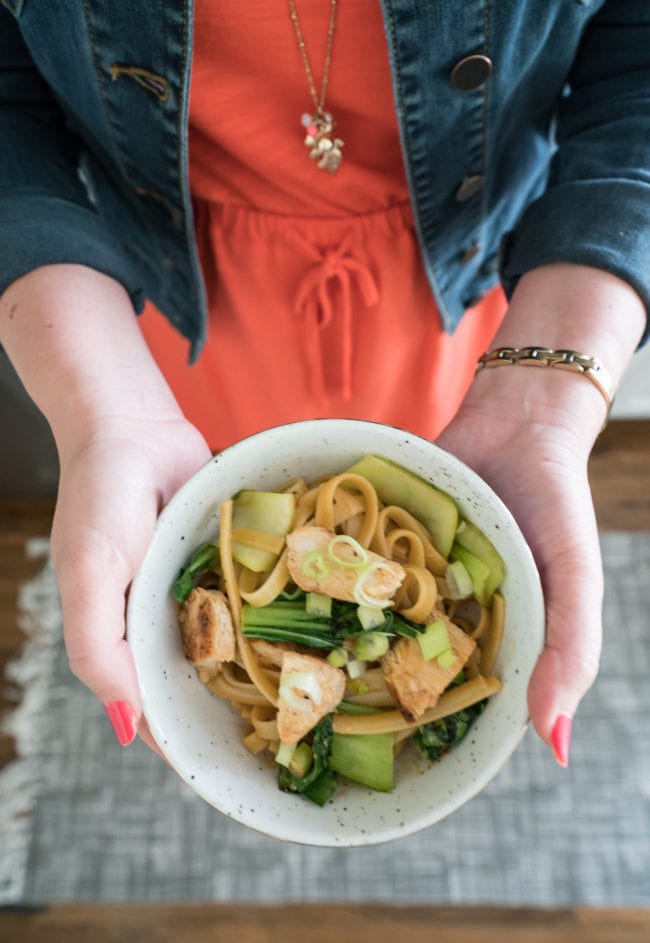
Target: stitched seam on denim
413, 190
179, 126
400, 96
486, 103
100, 85
152, 82
193, 275
122, 158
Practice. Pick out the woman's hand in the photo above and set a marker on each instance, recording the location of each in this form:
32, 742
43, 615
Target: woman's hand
124, 449
115, 478
528, 431
536, 461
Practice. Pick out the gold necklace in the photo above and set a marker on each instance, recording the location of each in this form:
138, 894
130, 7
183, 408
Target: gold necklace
319, 126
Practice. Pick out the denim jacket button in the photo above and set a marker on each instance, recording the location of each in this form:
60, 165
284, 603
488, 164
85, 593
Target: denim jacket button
471, 72
469, 187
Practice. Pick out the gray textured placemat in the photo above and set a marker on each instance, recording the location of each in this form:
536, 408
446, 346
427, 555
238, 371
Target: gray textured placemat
117, 825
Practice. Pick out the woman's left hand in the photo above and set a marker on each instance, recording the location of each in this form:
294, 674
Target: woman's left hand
528, 431
534, 455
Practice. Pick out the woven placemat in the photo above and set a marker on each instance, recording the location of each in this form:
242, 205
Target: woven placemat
112, 824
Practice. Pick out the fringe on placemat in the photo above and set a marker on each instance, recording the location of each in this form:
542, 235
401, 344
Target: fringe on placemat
31, 672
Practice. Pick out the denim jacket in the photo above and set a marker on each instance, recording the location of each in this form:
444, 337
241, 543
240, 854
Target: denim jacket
524, 126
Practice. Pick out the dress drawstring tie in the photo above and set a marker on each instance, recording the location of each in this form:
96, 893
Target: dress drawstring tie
314, 304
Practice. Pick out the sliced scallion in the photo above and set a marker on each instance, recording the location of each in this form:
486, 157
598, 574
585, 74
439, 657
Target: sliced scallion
355, 668
370, 646
459, 583
360, 558
338, 658
301, 761
317, 604
434, 640
361, 595
447, 658
284, 753
315, 565
299, 690
369, 617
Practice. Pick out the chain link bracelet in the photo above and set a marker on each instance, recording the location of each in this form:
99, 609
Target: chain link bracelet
572, 360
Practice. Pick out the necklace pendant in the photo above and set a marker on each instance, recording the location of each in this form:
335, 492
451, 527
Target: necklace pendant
324, 146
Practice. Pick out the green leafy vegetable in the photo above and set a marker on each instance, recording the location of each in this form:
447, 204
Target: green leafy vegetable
205, 558
323, 787
365, 759
289, 620
346, 624
319, 783
440, 736
286, 621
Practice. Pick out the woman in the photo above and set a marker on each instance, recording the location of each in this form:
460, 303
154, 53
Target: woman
355, 276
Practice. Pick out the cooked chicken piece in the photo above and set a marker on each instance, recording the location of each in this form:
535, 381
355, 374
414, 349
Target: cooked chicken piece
323, 690
417, 684
338, 581
207, 630
270, 654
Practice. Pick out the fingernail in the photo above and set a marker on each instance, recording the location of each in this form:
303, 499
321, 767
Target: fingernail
122, 718
561, 738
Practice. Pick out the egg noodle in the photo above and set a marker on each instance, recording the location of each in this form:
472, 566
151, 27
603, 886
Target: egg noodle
348, 504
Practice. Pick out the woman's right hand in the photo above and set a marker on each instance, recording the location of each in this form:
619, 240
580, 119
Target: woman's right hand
115, 478
124, 449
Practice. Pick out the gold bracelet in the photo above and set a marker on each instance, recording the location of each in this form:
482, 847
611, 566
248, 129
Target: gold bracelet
589, 366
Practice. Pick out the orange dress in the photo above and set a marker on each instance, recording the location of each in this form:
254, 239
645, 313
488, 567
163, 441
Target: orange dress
319, 305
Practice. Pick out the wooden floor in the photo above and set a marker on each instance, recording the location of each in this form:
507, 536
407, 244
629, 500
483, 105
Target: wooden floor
224, 923
619, 473
620, 479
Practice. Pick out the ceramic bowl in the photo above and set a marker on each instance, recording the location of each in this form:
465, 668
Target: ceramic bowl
200, 734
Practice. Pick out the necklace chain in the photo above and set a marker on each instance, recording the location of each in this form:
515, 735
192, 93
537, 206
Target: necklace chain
319, 101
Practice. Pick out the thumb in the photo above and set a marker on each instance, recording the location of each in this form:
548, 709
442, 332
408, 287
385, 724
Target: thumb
571, 572
93, 576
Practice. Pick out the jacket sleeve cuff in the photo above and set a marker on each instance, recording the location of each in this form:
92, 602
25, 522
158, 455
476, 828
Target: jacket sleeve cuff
41, 229
603, 224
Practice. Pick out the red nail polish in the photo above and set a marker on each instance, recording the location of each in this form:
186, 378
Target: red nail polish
122, 718
561, 738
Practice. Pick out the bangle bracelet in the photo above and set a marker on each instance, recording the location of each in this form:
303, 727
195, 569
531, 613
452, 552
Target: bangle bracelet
589, 366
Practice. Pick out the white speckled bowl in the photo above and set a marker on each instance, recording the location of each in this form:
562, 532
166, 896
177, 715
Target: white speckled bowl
200, 734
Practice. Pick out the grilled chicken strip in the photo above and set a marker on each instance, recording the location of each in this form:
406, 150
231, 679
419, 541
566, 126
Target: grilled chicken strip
340, 581
326, 690
207, 631
417, 684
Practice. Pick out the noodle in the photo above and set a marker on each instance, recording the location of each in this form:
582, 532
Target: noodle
325, 505
424, 582
271, 587
493, 644
238, 692
465, 695
401, 518
225, 545
254, 743
415, 552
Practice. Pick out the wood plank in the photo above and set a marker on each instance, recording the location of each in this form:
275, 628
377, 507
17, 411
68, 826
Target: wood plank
619, 474
294, 923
